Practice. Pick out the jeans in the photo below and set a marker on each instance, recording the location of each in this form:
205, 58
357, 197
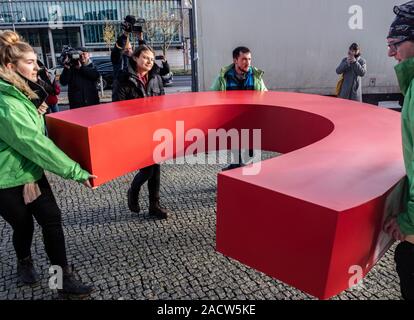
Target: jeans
47, 214
53, 108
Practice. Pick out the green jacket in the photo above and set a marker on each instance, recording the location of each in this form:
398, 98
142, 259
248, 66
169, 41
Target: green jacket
219, 83
405, 75
24, 149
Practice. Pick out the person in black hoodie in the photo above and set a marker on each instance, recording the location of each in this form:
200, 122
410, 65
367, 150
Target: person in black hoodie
81, 80
141, 80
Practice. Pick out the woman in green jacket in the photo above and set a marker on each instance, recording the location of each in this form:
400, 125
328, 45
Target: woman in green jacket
24, 153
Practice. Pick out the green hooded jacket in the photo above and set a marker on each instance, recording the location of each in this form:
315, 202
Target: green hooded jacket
24, 149
405, 75
220, 84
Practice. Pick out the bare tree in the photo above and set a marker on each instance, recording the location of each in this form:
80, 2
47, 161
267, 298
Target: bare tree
162, 28
109, 34
151, 31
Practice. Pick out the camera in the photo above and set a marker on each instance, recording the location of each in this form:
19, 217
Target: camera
72, 54
131, 24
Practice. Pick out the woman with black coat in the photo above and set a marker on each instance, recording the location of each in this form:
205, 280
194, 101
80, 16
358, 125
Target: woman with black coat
142, 80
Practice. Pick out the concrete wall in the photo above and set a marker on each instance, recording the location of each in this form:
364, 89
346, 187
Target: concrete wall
298, 43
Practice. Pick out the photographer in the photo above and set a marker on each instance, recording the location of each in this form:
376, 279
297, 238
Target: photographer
352, 68
81, 76
122, 49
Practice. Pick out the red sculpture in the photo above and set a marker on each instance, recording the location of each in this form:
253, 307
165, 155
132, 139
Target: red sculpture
311, 218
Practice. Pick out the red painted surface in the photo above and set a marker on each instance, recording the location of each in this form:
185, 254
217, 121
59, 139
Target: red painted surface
309, 215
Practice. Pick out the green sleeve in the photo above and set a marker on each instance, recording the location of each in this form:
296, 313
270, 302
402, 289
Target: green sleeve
216, 85
22, 134
406, 222
263, 86
406, 218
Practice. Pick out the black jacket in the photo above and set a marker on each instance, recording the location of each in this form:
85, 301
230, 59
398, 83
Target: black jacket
120, 61
128, 86
82, 90
164, 70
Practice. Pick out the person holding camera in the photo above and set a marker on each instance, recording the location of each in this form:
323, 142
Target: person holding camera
141, 80
25, 152
122, 49
352, 68
81, 76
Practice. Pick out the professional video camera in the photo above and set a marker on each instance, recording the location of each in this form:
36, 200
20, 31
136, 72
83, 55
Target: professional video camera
72, 54
131, 24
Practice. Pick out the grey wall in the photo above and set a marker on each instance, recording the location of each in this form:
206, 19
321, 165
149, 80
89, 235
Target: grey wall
298, 43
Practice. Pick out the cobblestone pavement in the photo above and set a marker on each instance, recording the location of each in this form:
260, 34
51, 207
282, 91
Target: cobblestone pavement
129, 256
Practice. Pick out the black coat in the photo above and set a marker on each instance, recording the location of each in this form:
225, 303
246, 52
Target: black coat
120, 61
128, 86
82, 90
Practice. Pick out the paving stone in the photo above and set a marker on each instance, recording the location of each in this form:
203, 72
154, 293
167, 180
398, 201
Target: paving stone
131, 256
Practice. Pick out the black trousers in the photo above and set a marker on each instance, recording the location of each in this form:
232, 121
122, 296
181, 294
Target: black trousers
404, 259
47, 214
152, 175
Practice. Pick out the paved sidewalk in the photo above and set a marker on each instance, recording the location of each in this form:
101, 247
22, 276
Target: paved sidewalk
130, 256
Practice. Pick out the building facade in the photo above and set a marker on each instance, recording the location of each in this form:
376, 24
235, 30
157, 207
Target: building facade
49, 25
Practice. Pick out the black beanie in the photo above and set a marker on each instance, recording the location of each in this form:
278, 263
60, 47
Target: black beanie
402, 27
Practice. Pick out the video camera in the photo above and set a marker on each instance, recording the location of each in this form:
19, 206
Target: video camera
131, 24
72, 54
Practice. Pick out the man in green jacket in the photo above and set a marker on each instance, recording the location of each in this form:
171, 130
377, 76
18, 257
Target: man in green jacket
240, 75
401, 47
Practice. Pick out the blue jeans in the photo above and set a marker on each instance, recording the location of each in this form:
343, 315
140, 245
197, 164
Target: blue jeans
53, 108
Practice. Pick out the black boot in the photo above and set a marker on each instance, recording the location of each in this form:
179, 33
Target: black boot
156, 210
233, 166
73, 287
26, 271
133, 204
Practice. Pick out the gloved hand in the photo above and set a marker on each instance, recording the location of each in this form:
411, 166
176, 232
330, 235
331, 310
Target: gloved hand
121, 41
